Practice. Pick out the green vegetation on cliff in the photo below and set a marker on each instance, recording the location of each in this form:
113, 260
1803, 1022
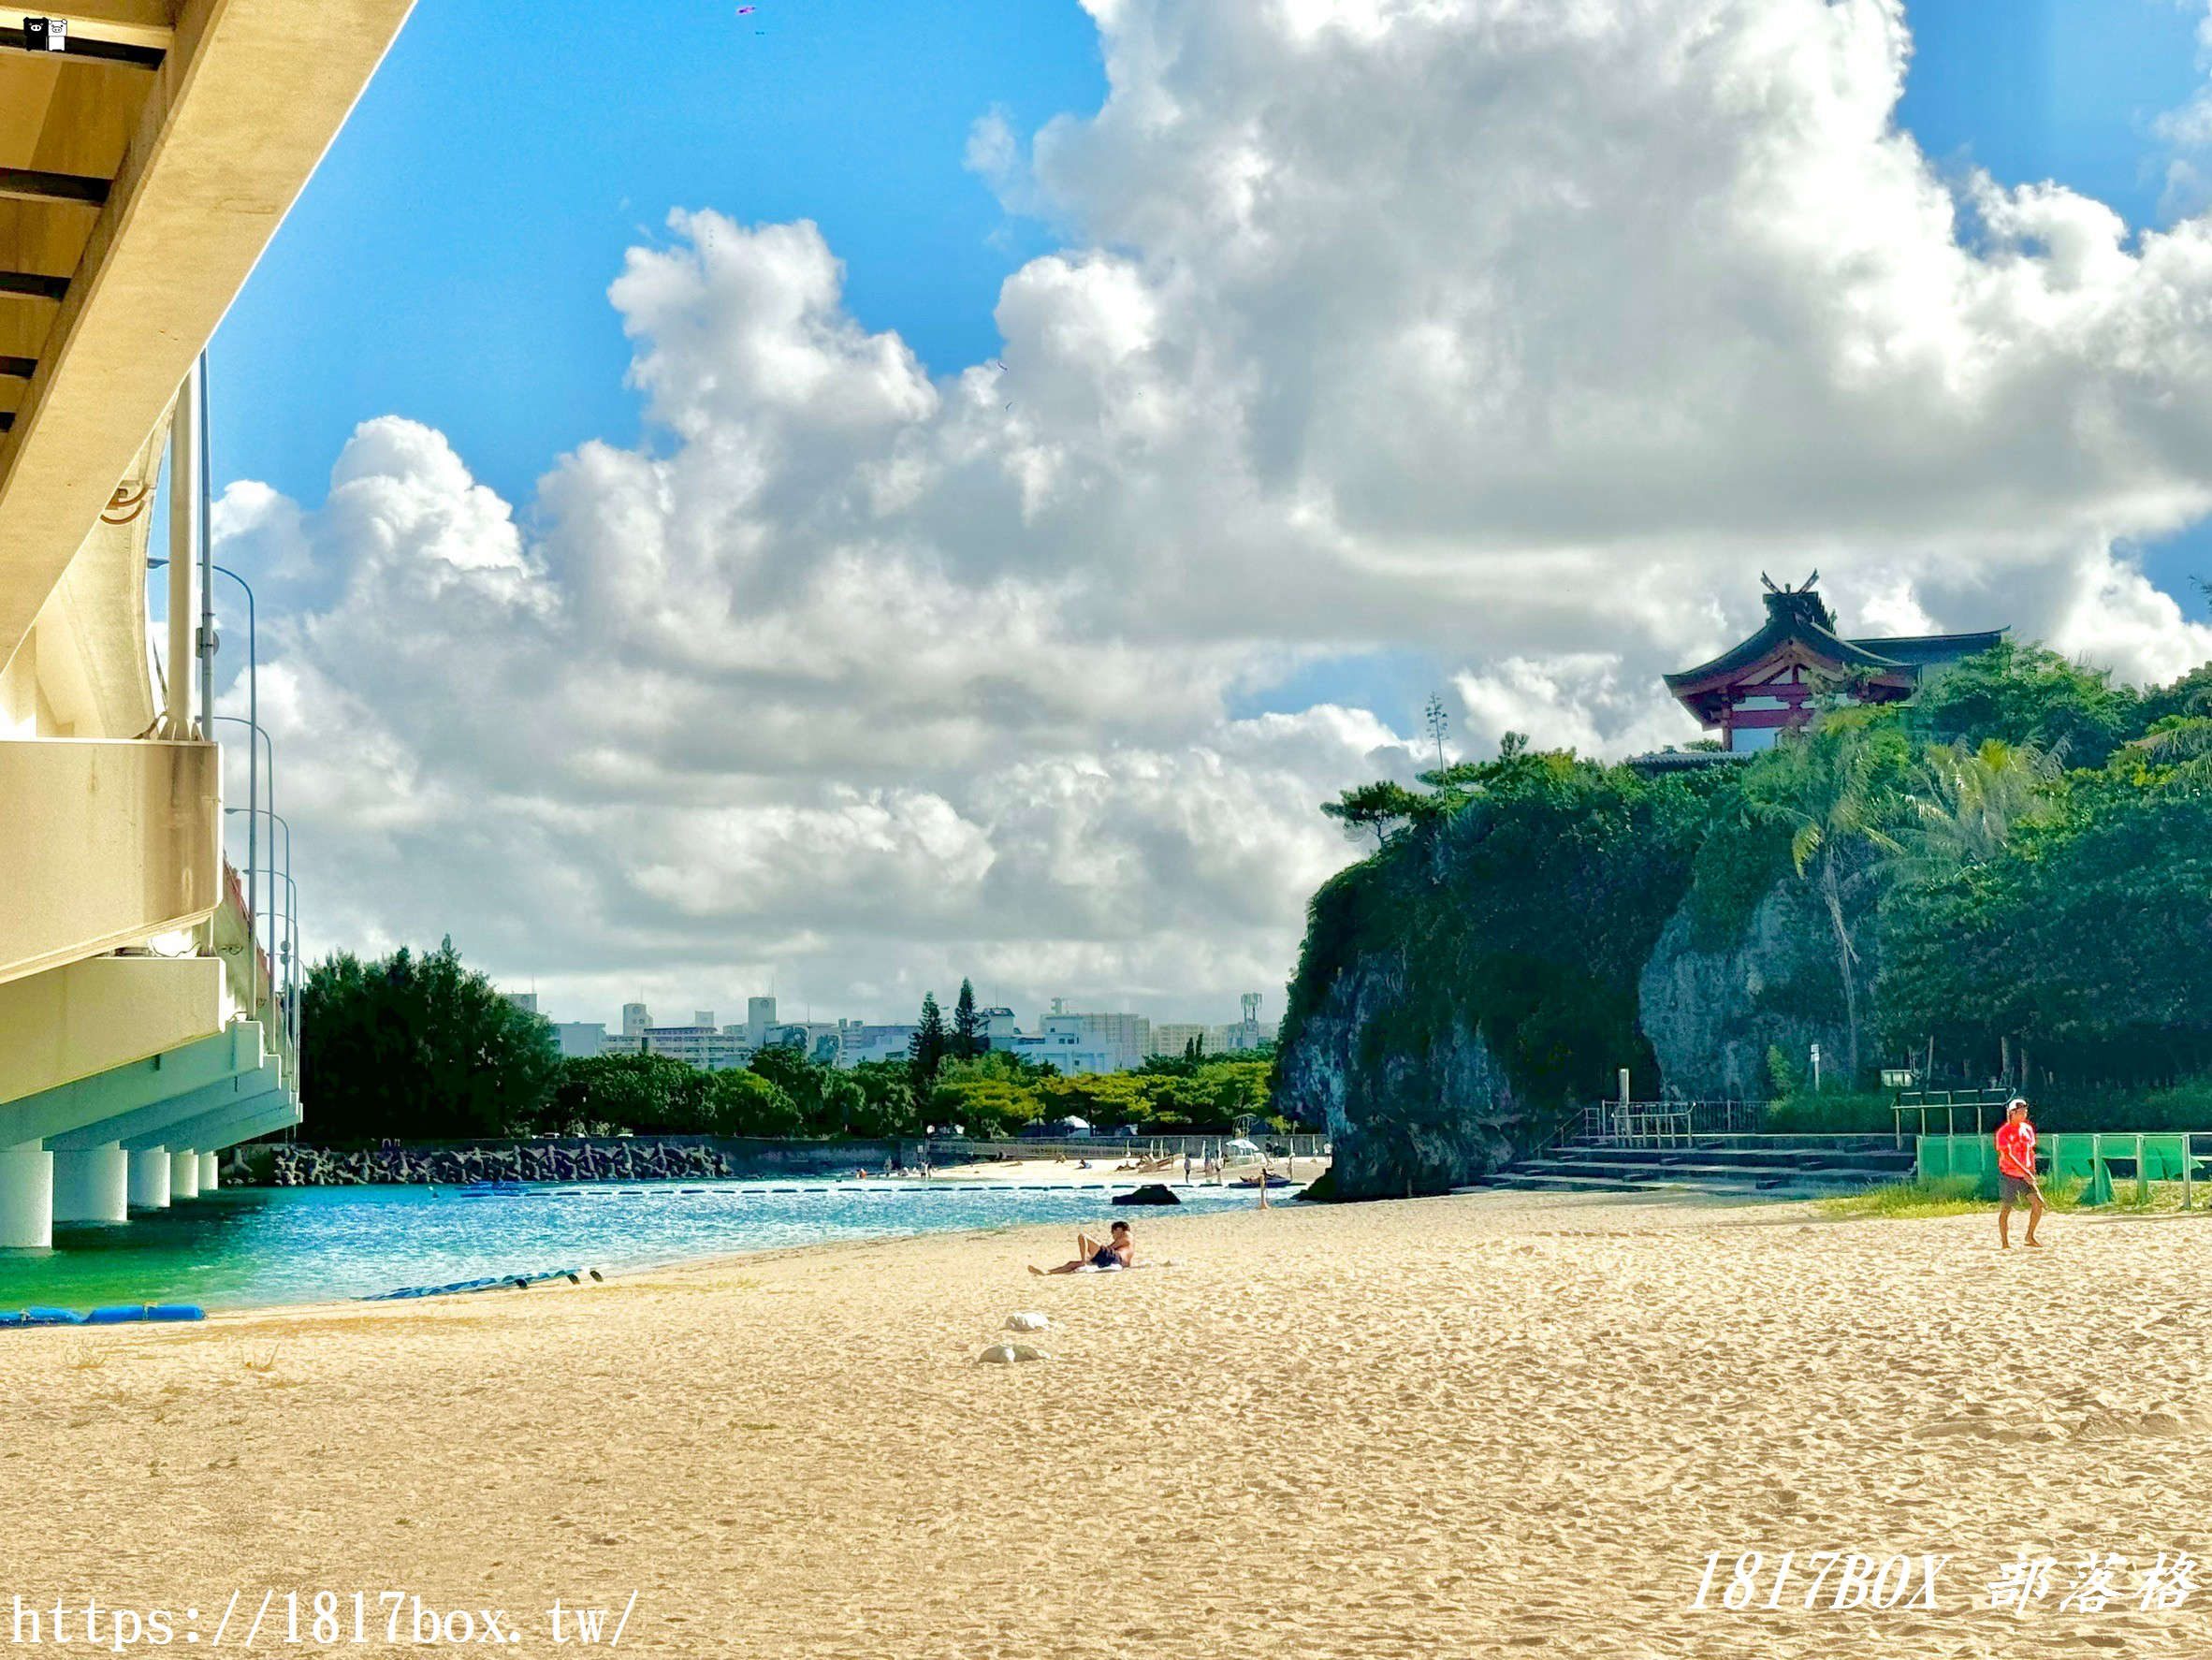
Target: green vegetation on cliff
2009, 878
1533, 891
1478, 972
2081, 948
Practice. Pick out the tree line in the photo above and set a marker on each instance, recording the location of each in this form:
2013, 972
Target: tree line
420, 1047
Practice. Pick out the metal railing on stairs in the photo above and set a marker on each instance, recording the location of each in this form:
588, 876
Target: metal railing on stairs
1667, 1124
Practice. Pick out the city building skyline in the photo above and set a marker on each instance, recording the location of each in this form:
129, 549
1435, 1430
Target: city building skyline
1075, 1041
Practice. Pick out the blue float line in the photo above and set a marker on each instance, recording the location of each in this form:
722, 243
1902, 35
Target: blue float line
114, 1315
490, 1283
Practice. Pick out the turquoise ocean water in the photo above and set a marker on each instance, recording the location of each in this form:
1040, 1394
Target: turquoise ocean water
247, 1247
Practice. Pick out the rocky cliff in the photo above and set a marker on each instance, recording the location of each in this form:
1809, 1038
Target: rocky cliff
1712, 1007
1421, 1119
1476, 980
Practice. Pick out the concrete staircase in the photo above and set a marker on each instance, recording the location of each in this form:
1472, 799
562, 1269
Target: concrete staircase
1780, 1165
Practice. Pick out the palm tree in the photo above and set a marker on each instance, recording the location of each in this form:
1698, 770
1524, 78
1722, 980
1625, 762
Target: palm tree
2183, 742
1832, 789
1964, 803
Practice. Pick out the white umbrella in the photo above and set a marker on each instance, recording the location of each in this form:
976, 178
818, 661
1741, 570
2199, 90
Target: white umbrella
1241, 1145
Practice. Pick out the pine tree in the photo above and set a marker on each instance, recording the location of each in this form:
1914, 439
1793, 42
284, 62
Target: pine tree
926, 1052
967, 1035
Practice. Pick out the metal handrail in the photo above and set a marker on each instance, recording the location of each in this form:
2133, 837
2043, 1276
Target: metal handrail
1924, 1103
1656, 1123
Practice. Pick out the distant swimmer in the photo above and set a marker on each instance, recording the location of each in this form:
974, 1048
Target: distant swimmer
2015, 1172
1099, 1255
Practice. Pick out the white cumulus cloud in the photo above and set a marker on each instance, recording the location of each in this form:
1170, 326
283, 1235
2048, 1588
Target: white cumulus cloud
1519, 338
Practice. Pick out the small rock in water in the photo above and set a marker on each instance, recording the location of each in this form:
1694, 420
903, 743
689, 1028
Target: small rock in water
1000, 1354
1027, 1322
1151, 1193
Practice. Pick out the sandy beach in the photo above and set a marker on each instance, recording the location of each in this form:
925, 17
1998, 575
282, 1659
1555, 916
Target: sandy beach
1489, 1424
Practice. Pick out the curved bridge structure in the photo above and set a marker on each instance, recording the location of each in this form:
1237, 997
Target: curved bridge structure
149, 149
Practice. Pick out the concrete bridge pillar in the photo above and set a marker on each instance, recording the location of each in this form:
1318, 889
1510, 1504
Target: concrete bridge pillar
149, 1179
26, 1196
183, 1174
208, 1178
92, 1185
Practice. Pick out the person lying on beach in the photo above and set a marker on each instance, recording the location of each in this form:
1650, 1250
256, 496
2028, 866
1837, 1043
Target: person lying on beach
1099, 1254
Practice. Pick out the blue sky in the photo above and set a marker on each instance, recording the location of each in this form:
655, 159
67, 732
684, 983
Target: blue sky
449, 262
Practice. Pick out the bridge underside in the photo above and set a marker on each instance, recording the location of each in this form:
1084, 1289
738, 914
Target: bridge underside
126, 1075
145, 162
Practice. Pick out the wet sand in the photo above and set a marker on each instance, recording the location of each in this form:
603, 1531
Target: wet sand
1488, 1424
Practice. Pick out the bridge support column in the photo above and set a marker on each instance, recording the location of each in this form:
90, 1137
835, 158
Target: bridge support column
183, 1174
149, 1179
26, 1196
209, 1180
92, 1185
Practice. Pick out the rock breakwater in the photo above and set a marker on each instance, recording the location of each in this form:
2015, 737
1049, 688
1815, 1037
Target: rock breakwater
628, 1159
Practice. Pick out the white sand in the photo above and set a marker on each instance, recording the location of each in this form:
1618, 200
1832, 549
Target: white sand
1483, 1425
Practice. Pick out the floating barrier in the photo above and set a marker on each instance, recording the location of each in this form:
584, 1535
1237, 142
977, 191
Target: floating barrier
117, 1315
124, 1314
488, 1283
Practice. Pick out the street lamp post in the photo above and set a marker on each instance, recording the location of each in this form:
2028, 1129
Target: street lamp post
254, 721
283, 949
291, 946
253, 751
202, 550
257, 739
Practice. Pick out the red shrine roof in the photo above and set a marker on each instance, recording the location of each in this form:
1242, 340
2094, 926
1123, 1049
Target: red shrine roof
1801, 632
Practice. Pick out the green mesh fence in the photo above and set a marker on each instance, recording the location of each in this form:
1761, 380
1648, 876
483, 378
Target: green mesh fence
2136, 1160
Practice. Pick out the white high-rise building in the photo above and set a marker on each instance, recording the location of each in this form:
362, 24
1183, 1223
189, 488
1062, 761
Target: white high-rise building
1125, 1040
580, 1037
1174, 1036
859, 1041
704, 1045
1069, 1051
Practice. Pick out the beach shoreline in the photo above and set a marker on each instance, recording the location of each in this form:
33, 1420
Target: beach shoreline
1487, 1423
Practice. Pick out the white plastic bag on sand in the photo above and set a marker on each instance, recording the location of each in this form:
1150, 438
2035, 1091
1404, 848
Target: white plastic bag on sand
1027, 1322
1004, 1353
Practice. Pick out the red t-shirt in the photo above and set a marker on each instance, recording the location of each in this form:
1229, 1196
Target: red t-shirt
2015, 1149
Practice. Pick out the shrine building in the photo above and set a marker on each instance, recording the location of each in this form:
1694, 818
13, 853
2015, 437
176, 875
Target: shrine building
1755, 690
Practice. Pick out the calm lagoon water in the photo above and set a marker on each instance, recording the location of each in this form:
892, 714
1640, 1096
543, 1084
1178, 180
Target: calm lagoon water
247, 1247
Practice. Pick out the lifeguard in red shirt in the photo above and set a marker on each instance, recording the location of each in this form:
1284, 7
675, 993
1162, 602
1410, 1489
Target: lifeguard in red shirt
2015, 1172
